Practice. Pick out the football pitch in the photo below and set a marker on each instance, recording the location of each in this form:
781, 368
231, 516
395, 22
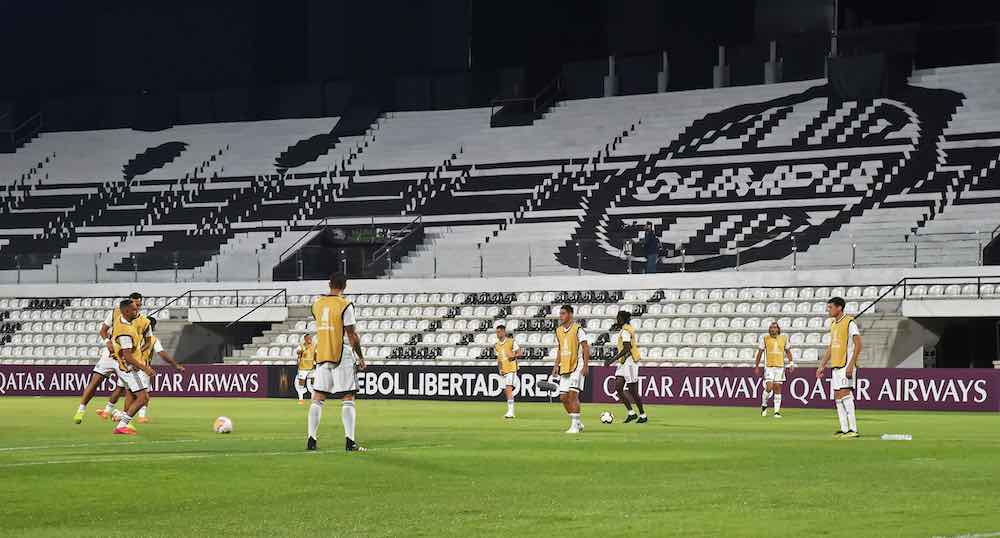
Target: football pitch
460, 469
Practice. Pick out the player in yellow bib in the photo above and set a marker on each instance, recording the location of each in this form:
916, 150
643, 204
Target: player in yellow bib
775, 348
105, 365
338, 359
130, 367
571, 365
627, 371
507, 352
842, 356
306, 353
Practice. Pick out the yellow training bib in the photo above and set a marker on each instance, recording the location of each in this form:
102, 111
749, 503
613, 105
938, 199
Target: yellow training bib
328, 311
505, 356
632, 339
774, 350
839, 339
569, 348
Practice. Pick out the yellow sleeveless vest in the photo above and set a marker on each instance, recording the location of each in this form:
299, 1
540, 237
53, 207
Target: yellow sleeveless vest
839, 331
124, 329
308, 359
328, 311
774, 350
634, 340
569, 348
147, 349
505, 354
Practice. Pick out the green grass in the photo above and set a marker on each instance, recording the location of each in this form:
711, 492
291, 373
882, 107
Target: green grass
459, 469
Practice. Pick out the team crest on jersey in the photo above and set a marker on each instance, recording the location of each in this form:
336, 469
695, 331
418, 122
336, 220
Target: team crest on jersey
764, 177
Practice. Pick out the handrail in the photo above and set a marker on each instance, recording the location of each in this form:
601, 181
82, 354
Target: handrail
36, 115
880, 297
254, 309
303, 236
908, 281
555, 82
382, 253
171, 301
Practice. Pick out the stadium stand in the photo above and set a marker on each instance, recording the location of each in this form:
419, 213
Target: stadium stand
692, 326
730, 176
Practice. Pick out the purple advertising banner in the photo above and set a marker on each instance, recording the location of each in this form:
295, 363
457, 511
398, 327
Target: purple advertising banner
229, 381
929, 389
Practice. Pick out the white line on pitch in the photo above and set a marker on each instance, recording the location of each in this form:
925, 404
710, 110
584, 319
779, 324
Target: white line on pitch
163, 457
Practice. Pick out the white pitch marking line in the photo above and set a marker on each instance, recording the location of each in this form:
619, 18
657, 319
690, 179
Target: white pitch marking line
984, 535
119, 443
164, 457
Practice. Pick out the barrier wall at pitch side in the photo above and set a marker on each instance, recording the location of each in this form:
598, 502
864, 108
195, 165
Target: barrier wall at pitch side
877, 388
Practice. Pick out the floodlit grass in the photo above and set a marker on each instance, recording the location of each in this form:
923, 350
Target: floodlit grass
459, 469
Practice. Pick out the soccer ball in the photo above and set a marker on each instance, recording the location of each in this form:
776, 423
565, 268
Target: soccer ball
607, 417
222, 425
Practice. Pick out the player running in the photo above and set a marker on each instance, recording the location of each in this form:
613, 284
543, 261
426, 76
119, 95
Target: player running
774, 346
105, 365
336, 365
130, 367
842, 355
151, 347
572, 371
304, 378
507, 352
627, 372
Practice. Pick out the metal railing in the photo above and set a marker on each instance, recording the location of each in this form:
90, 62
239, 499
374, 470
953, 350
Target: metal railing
23, 130
267, 302
320, 224
907, 284
538, 101
385, 252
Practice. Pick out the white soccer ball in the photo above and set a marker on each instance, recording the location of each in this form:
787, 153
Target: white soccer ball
607, 417
223, 425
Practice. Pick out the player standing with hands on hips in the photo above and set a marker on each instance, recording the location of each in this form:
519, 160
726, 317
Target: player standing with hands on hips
842, 355
571, 370
774, 346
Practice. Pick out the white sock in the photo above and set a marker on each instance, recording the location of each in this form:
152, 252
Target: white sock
142, 412
309, 386
631, 412
510, 407
642, 415
852, 423
123, 423
83, 407
109, 407
842, 415
315, 413
574, 420
777, 403
301, 390
767, 396
349, 416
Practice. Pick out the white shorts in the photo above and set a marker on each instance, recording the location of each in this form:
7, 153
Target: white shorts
840, 380
509, 380
105, 364
306, 375
571, 382
337, 379
629, 370
134, 381
774, 374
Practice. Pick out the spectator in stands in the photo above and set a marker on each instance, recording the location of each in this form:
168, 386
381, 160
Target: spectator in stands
651, 247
